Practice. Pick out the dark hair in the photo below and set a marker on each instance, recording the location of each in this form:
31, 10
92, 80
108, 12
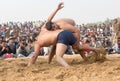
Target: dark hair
94, 37
11, 38
3, 41
30, 40
118, 38
87, 41
49, 25
35, 34
22, 40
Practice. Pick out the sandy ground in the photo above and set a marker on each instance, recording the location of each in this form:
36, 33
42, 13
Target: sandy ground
17, 70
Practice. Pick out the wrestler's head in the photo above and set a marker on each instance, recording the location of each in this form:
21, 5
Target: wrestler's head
51, 26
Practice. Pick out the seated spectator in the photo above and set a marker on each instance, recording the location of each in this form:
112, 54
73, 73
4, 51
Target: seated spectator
69, 50
11, 45
108, 45
46, 50
86, 42
94, 43
16, 40
116, 47
21, 50
30, 48
3, 49
21, 39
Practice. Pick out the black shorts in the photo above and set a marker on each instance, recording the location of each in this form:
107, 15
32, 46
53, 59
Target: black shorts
66, 37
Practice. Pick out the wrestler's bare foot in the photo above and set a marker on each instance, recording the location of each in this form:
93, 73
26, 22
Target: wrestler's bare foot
101, 53
101, 50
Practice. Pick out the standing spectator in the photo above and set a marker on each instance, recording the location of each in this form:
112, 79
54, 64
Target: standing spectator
111, 29
116, 29
7, 32
1, 39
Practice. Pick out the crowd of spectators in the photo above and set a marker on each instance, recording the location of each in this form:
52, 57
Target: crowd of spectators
100, 35
16, 38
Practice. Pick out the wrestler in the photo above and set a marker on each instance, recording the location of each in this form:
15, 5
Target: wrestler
65, 24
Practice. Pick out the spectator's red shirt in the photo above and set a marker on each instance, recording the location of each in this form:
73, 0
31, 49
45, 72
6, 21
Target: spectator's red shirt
83, 43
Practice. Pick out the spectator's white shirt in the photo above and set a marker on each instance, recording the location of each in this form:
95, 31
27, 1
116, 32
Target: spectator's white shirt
101, 30
11, 31
112, 30
116, 48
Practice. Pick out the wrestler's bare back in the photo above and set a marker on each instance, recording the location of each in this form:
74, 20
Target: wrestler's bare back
47, 38
63, 21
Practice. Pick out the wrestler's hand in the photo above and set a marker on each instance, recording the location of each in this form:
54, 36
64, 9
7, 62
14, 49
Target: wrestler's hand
60, 5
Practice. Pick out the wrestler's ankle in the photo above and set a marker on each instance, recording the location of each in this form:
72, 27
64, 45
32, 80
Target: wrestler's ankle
67, 65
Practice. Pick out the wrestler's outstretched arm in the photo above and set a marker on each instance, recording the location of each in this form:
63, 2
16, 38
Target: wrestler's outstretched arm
60, 6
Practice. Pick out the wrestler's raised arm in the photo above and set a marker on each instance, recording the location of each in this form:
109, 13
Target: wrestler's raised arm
60, 6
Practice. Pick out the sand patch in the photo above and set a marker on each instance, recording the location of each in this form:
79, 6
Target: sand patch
17, 70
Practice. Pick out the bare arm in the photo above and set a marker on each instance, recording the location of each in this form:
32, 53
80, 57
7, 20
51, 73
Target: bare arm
60, 6
36, 53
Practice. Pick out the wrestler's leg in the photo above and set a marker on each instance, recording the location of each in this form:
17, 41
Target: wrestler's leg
60, 51
51, 53
82, 54
79, 51
86, 47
